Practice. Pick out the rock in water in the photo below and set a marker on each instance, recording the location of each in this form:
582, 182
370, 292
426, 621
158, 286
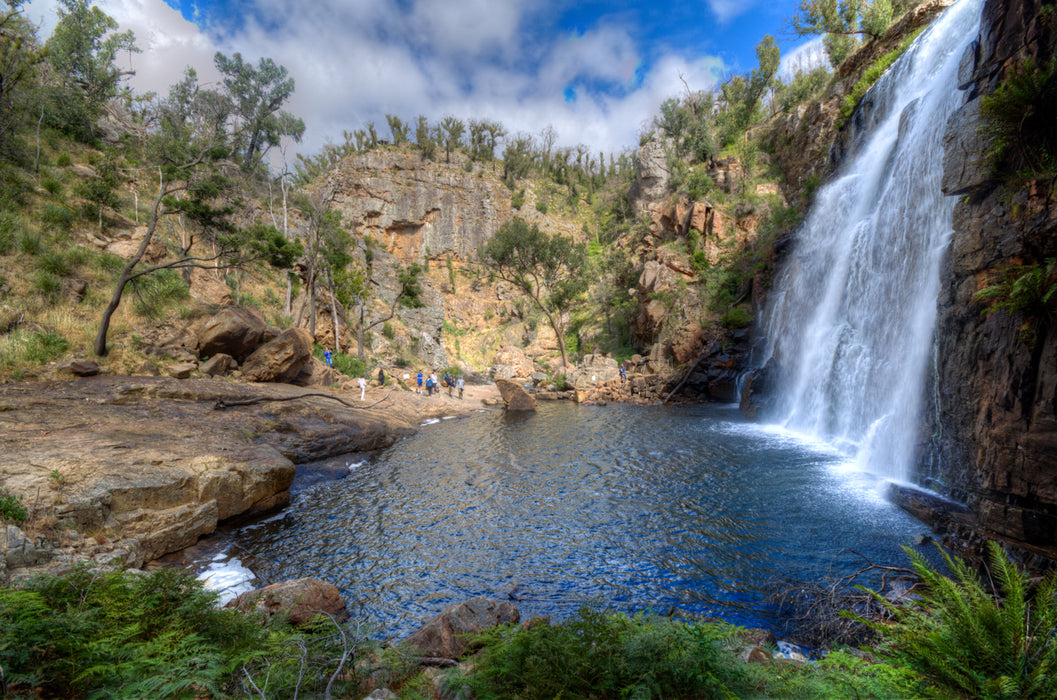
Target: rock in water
445, 635
301, 599
514, 396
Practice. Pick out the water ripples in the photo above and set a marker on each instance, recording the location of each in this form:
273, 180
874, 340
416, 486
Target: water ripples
640, 507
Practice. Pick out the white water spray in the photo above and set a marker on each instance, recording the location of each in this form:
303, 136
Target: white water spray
853, 310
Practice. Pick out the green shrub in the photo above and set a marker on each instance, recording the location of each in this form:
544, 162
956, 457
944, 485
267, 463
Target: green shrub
152, 294
601, 655
346, 364
541, 206
11, 508
30, 242
9, 225
23, 346
1018, 119
388, 330
410, 289
840, 675
47, 284
52, 185
103, 261
56, 217
871, 76
736, 317
63, 160
1027, 289
971, 643
517, 199
698, 184
55, 262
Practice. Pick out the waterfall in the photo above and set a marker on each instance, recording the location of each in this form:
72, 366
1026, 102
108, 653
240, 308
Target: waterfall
850, 323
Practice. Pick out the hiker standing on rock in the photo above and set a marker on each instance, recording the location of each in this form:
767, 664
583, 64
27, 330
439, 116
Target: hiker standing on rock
461, 384
363, 386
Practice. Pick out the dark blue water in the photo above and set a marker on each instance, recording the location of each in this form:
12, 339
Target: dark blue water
690, 508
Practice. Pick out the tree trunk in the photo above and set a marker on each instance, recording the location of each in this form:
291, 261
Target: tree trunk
359, 335
556, 326
334, 312
312, 309
126, 274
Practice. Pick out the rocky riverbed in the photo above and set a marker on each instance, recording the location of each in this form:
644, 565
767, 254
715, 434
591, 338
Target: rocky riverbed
122, 470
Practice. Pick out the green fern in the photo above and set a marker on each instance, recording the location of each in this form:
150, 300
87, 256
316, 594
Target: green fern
1020, 118
969, 642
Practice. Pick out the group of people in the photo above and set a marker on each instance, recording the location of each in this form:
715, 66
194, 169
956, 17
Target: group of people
433, 385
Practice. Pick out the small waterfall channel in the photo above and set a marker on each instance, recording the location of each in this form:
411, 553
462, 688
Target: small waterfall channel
849, 330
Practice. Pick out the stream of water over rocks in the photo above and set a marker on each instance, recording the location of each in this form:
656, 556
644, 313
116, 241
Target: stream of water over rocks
689, 508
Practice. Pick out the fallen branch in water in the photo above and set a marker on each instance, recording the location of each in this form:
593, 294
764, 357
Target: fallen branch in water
222, 404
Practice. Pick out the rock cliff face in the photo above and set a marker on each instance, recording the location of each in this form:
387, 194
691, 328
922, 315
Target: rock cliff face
415, 208
993, 413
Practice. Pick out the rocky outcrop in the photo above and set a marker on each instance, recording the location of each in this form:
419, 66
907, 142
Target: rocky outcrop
416, 208
514, 396
806, 141
299, 599
652, 174
445, 636
125, 469
992, 419
511, 363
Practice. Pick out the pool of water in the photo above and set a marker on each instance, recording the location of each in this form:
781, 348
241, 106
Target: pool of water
685, 508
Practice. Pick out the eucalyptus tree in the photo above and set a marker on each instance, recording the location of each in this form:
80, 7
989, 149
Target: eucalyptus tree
188, 149
20, 56
258, 95
452, 130
547, 268
82, 50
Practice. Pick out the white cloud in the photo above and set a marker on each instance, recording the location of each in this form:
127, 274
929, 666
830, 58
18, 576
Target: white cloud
726, 10
358, 61
806, 57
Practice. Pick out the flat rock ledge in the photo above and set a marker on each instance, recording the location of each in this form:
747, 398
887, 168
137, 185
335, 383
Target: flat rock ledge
122, 470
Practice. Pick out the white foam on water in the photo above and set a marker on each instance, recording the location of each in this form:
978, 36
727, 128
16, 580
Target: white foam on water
228, 577
431, 421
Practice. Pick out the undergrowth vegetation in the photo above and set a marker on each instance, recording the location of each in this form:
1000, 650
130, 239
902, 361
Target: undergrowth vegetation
96, 633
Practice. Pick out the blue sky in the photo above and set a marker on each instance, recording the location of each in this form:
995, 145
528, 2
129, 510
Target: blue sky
595, 71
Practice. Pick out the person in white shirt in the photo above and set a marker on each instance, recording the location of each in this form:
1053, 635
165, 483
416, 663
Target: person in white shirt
363, 386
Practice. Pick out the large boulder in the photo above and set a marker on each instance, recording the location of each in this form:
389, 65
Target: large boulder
514, 396
281, 359
512, 363
235, 331
300, 599
445, 635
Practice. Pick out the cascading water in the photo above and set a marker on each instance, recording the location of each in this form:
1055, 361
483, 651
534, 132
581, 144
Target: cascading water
850, 326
